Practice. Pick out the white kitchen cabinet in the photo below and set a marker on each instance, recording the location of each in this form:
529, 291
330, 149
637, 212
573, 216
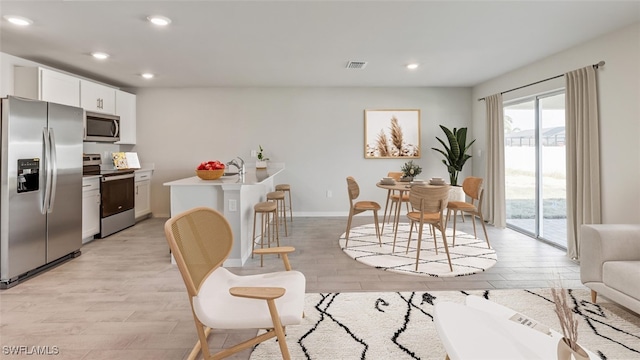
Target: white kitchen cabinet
97, 97
90, 208
126, 109
46, 85
143, 193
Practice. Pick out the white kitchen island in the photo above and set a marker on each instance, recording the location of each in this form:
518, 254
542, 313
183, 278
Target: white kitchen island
233, 196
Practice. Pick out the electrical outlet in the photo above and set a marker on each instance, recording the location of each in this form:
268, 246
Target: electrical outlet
254, 153
329, 193
233, 205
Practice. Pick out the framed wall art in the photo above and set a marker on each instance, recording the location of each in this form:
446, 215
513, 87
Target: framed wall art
391, 134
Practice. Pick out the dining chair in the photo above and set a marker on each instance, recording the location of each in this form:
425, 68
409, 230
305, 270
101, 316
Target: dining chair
201, 239
472, 187
356, 207
428, 204
395, 198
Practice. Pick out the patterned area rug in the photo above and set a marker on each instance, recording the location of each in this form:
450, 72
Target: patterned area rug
468, 256
400, 325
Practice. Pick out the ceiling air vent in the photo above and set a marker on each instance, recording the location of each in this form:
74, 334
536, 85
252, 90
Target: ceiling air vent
356, 64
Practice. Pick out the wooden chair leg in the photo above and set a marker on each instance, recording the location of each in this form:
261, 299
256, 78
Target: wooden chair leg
411, 222
432, 229
446, 247
484, 228
277, 327
455, 213
386, 206
203, 335
348, 228
594, 295
473, 220
419, 244
375, 220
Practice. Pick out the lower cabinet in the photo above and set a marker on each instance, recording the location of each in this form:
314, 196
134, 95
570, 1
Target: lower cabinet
143, 193
90, 208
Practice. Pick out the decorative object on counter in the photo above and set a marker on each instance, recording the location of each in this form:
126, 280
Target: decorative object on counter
125, 160
392, 134
456, 152
568, 345
210, 170
410, 170
262, 161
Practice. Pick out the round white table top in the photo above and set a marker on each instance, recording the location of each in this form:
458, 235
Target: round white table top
471, 333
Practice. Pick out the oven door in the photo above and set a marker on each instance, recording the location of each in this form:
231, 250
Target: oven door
117, 194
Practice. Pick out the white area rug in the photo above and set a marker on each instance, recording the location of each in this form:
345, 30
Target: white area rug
468, 256
400, 325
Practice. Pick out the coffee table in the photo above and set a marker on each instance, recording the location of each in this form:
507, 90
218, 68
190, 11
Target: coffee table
481, 329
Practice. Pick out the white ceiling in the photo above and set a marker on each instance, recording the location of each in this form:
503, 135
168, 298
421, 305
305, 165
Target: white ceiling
304, 43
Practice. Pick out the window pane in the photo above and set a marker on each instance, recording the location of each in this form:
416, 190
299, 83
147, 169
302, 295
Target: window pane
553, 170
520, 165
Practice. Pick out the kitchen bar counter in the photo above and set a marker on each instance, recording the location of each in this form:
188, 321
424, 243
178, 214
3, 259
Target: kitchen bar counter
233, 196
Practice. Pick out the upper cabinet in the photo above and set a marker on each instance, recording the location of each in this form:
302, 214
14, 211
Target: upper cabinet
96, 97
47, 85
126, 109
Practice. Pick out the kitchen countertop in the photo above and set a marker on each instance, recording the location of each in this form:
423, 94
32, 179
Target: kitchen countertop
252, 176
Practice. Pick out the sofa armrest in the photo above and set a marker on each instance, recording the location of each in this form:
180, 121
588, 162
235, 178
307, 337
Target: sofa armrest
606, 242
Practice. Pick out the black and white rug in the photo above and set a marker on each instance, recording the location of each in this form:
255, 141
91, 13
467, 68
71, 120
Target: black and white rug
392, 325
468, 256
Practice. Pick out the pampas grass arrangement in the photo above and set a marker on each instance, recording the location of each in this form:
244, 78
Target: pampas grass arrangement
396, 133
382, 144
568, 322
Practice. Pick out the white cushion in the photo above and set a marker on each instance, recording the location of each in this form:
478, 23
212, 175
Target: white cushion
216, 308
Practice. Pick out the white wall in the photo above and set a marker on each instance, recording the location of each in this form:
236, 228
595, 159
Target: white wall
619, 90
317, 132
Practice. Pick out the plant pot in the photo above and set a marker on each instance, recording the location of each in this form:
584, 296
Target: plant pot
456, 194
565, 352
261, 164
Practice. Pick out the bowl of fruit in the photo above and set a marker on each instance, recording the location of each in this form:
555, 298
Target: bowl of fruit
210, 170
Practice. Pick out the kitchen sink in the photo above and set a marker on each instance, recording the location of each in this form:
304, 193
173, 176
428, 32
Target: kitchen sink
230, 174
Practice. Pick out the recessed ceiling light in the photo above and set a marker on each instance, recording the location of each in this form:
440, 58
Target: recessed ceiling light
18, 20
413, 66
148, 75
159, 20
100, 55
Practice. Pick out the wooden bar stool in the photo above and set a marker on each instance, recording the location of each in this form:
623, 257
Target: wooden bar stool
278, 198
287, 189
267, 210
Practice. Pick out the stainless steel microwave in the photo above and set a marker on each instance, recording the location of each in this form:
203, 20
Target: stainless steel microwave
101, 127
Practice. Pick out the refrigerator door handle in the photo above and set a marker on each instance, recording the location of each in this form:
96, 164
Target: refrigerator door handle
53, 159
47, 171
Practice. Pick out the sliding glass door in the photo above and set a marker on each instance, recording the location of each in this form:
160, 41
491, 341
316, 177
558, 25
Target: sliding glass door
535, 167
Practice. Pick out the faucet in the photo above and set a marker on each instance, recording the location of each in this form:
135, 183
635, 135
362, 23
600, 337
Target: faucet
240, 166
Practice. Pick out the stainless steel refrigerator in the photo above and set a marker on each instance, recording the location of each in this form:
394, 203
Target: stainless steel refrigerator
41, 186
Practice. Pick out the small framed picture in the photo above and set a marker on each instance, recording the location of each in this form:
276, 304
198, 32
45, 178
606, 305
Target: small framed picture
392, 134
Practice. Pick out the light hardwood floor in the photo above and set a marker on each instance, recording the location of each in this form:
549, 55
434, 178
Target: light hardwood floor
122, 299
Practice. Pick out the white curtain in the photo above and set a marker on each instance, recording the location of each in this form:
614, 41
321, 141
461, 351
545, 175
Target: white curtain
494, 184
583, 155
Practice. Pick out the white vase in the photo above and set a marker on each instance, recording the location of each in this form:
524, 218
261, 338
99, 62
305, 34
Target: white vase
456, 194
566, 353
261, 164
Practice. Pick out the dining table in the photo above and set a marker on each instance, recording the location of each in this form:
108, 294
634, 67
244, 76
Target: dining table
401, 187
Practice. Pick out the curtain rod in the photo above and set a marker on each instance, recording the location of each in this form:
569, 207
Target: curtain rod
595, 66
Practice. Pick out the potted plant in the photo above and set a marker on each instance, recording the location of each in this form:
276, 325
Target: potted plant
410, 170
261, 163
455, 154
